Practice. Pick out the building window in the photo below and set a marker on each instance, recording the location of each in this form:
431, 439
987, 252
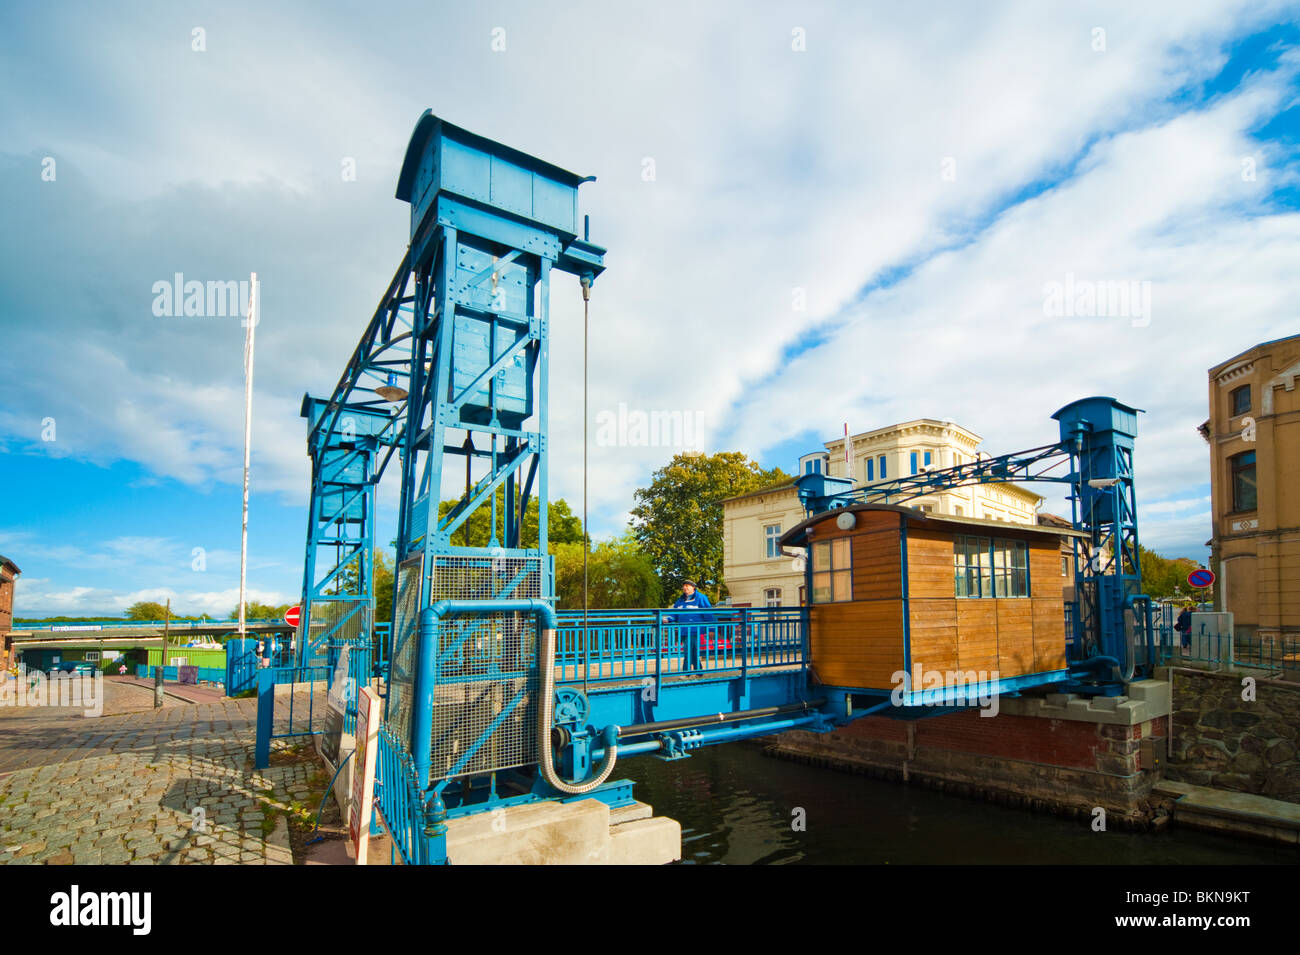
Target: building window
988, 567
1065, 567
1239, 399
883, 475
871, 467
773, 534
958, 511
914, 467
1243, 481
772, 597
832, 571
803, 595
927, 459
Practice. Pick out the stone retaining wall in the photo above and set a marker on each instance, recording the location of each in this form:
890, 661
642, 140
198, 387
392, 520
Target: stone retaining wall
1224, 741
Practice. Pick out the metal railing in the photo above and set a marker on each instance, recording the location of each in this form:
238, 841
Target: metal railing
93, 625
1223, 649
398, 796
618, 644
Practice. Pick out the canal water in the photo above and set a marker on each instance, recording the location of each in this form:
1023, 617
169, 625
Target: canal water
739, 807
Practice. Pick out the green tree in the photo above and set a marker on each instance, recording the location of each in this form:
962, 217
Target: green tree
619, 576
259, 611
383, 584
562, 525
146, 610
677, 520
1161, 576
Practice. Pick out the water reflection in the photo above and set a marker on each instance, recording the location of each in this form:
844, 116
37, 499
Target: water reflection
739, 807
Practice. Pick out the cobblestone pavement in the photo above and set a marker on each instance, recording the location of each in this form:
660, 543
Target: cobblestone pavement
139, 785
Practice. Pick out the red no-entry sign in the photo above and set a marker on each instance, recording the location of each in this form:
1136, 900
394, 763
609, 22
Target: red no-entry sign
1201, 577
293, 616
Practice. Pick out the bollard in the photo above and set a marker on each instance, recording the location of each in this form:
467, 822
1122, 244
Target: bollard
265, 712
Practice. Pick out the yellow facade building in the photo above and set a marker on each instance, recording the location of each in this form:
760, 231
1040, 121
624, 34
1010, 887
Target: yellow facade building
756, 572
1254, 437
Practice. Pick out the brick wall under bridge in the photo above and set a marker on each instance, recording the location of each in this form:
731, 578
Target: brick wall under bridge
1058, 752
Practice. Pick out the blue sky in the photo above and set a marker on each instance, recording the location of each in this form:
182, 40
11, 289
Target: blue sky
854, 213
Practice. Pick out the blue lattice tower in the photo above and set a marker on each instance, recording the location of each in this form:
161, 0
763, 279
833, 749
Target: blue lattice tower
344, 442
1100, 433
489, 225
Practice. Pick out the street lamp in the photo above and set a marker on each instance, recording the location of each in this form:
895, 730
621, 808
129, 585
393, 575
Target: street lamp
391, 391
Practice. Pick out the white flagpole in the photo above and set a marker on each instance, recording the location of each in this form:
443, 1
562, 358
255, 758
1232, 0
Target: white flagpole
251, 323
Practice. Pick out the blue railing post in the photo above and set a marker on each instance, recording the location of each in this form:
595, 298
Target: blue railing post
265, 714
425, 678
743, 637
659, 650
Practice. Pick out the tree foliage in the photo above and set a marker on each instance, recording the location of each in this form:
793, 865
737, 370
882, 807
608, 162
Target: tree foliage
383, 584
259, 611
146, 610
1161, 576
678, 519
619, 576
562, 525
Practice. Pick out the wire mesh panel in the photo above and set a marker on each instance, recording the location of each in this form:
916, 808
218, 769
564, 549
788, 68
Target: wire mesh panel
401, 686
335, 621
485, 706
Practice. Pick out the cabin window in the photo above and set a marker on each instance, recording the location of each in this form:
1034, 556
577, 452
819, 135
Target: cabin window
773, 534
990, 567
832, 571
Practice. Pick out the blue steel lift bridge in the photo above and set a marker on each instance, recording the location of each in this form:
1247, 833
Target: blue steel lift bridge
493, 698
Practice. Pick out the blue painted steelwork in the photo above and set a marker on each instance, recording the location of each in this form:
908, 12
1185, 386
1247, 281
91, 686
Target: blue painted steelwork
451, 375
89, 625
345, 441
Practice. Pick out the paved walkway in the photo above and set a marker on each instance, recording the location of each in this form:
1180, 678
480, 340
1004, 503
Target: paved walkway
139, 785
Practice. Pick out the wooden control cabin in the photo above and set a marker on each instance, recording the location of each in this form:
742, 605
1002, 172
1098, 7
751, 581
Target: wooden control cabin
896, 590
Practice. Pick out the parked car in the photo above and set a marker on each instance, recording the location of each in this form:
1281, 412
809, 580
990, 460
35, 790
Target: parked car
74, 666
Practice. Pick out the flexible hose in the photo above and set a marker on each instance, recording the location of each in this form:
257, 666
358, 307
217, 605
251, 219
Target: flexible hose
546, 714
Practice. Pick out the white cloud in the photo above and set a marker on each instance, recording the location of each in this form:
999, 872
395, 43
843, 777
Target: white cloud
775, 170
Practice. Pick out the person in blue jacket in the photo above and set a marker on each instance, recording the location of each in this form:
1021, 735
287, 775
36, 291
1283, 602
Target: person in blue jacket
691, 599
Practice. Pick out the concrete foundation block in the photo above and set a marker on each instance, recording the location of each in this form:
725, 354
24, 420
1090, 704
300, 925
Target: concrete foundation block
583, 832
1155, 693
653, 841
1080, 709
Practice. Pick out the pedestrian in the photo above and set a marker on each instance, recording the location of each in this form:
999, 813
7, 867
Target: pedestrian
1184, 627
121, 671
691, 599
